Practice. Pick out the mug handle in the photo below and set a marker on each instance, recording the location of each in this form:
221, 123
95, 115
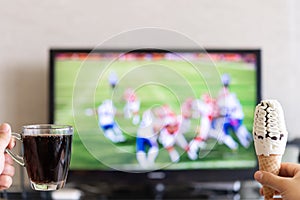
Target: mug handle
15, 157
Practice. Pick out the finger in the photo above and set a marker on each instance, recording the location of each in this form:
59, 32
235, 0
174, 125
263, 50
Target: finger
5, 135
8, 159
268, 179
12, 143
5, 182
289, 169
261, 191
8, 170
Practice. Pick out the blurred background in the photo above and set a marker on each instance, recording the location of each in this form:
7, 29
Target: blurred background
28, 29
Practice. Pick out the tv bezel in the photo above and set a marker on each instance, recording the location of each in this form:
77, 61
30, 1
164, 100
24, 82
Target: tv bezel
167, 176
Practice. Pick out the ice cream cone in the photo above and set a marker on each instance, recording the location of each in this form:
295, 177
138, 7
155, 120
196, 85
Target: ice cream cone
270, 164
270, 137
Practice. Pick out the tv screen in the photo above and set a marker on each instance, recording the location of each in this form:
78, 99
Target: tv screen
186, 113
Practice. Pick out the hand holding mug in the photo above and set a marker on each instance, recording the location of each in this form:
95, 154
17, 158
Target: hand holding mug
7, 169
47, 154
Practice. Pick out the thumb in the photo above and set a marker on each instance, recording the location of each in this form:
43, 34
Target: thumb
268, 179
5, 135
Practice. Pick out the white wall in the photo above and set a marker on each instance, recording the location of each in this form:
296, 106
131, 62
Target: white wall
29, 28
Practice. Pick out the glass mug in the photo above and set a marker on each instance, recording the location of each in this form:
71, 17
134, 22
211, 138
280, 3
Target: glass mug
47, 154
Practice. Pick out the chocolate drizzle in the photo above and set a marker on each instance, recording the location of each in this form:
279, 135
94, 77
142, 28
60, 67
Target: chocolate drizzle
258, 136
269, 131
273, 137
267, 121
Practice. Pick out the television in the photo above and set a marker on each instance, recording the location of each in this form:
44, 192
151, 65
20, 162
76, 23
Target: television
144, 117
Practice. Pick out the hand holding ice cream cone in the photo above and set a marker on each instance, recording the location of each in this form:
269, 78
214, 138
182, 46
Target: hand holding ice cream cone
270, 137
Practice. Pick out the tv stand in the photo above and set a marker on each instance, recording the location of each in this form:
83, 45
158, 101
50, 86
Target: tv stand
200, 190
233, 186
157, 191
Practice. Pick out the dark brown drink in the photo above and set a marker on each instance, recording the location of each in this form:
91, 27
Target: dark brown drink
47, 157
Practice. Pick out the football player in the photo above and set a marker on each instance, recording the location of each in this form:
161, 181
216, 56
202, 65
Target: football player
106, 118
232, 111
132, 106
206, 108
146, 141
170, 135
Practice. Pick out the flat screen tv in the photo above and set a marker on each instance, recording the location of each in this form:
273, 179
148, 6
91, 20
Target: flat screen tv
176, 116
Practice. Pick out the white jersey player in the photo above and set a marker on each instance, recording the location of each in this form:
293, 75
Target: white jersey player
206, 108
113, 79
232, 111
106, 114
132, 106
146, 141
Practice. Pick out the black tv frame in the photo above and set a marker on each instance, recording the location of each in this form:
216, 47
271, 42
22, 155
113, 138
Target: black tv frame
129, 180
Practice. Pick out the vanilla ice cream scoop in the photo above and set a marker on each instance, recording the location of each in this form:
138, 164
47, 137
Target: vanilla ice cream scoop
269, 130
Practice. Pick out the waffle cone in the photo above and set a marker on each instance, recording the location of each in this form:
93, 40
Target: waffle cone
270, 164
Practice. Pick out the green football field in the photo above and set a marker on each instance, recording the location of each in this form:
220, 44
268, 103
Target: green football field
81, 86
